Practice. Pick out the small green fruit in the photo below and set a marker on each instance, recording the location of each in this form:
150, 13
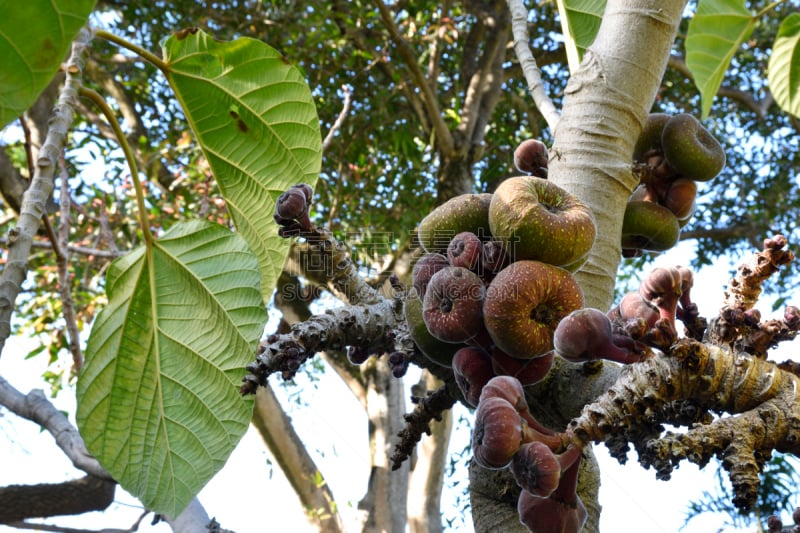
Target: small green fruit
690, 149
467, 212
650, 138
649, 226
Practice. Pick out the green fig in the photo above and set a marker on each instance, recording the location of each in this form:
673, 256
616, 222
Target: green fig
538, 220
466, 212
649, 226
690, 149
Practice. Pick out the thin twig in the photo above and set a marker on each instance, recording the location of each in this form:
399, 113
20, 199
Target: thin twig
533, 76
62, 263
35, 198
339, 120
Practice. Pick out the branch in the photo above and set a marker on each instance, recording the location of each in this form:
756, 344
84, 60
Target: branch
418, 422
41, 187
747, 99
89, 493
765, 398
339, 120
275, 427
61, 247
444, 138
519, 26
36, 408
483, 90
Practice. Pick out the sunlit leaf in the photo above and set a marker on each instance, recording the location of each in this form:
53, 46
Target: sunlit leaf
715, 33
35, 36
784, 65
158, 397
256, 122
580, 20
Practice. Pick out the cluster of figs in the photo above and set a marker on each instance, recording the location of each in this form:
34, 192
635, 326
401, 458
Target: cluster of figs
672, 154
495, 282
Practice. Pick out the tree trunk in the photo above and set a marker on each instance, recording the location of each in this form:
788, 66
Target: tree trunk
605, 105
427, 475
384, 505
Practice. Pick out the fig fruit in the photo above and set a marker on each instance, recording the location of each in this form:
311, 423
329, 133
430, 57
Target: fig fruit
466, 212
465, 251
538, 470
497, 434
649, 140
649, 226
680, 198
536, 219
424, 269
549, 515
493, 258
525, 302
438, 351
586, 335
690, 149
531, 157
662, 289
472, 370
527, 371
452, 307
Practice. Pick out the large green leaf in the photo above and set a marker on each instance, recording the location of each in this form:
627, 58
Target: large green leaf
158, 397
256, 122
784, 65
580, 20
717, 30
35, 36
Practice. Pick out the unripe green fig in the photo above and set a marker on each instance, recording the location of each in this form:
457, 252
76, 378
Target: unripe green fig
439, 352
650, 138
649, 226
690, 149
535, 219
466, 212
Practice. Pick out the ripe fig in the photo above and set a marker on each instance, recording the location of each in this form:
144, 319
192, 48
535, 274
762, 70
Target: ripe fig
680, 198
536, 219
549, 515
538, 470
531, 157
424, 269
497, 434
562, 512
439, 352
493, 258
465, 251
467, 212
510, 389
472, 370
527, 371
524, 304
633, 306
586, 335
452, 307
649, 226
690, 149
662, 289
